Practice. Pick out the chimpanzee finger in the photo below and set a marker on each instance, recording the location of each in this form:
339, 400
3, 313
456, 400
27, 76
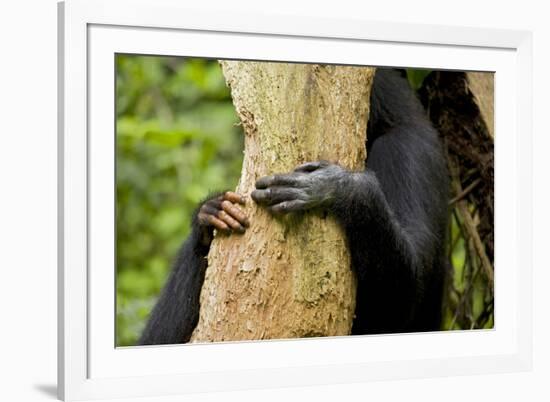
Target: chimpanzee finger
207, 209
288, 206
232, 223
234, 197
236, 213
215, 222
278, 180
275, 195
311, 166
210, 209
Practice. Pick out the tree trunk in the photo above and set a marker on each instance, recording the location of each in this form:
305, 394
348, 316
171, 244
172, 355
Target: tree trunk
482, 86
287, 277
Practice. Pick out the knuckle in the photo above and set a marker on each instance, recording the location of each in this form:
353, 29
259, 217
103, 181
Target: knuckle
208, 210
210, 204
256, 195
302, 195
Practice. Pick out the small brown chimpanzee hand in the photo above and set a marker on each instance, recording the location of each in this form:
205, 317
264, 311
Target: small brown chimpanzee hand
222, 213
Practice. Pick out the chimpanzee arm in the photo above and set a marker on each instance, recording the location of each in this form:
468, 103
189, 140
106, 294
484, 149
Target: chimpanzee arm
176, 313
395, 218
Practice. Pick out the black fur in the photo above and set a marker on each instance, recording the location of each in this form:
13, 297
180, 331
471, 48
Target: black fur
394, 214
176, 313
396, 219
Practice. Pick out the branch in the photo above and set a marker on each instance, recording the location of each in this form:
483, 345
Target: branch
470, 226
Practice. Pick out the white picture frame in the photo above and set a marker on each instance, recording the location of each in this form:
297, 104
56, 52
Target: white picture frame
91, 32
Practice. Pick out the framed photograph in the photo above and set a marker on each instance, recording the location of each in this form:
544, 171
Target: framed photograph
255, 201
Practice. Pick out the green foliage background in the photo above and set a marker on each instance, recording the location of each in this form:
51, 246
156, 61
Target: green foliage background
177, 139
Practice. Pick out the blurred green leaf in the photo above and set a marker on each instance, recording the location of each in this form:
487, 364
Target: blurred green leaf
416, 77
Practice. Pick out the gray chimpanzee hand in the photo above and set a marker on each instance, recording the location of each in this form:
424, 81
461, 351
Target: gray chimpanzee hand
311, 185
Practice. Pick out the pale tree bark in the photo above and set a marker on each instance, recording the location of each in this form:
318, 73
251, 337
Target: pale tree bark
482, 86
287, 277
